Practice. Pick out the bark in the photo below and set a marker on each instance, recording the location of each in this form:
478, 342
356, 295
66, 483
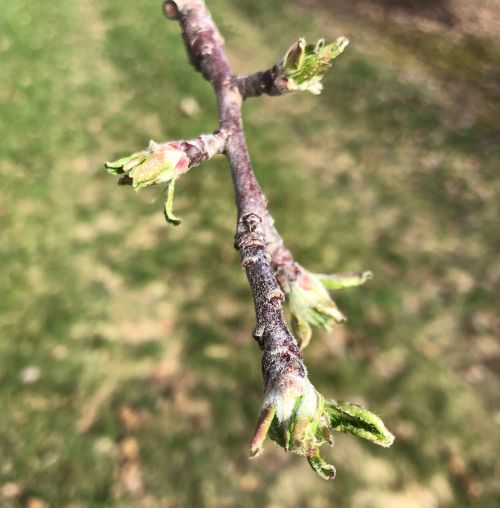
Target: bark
270, 82
260, 247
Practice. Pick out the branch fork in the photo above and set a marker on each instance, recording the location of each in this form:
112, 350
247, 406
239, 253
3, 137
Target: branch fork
293, 413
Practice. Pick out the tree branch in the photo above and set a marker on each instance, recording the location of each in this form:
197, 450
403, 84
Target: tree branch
271, 82
282, 358
293, 413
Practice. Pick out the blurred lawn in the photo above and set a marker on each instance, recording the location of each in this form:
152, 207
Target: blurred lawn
128, 375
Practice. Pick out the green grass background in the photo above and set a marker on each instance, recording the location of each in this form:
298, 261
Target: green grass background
149, 381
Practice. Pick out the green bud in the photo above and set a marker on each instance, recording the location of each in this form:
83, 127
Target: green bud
311, 305
305, 64
298, 418
158, 164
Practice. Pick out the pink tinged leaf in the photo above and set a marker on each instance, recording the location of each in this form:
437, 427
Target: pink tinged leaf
264, 422
182, 164
305, 281
175, 145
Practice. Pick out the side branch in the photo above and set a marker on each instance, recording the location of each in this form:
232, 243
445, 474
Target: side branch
155, 158
301, 68
271, 82
164, 163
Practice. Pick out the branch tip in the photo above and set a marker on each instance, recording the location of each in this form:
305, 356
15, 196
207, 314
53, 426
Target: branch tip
170, 10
